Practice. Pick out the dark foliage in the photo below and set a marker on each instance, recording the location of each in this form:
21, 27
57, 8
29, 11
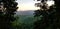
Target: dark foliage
7, 13
50, 19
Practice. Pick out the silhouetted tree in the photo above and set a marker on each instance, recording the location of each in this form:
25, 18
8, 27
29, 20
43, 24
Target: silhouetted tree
49, 19
57, 4
7, 13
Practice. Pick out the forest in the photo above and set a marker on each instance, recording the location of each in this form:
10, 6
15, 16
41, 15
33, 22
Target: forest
47, 17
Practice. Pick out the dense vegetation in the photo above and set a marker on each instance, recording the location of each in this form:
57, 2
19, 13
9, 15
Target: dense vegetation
24, 22
7, 12
51, 15
44, 18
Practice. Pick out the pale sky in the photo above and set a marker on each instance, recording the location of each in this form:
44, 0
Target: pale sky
28, 5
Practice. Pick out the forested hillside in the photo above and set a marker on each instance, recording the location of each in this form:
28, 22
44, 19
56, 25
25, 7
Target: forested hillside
24, 21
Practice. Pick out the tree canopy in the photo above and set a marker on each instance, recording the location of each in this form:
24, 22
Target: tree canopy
51, 16
7, 13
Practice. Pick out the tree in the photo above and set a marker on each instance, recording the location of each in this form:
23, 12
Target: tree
7, 13
57, 4
49, 19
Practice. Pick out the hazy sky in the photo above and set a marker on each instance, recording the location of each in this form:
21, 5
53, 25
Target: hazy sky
28, 5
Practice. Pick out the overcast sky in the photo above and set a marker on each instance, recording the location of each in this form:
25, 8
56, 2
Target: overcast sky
27, 5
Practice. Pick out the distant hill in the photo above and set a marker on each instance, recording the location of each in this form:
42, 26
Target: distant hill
29, 12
